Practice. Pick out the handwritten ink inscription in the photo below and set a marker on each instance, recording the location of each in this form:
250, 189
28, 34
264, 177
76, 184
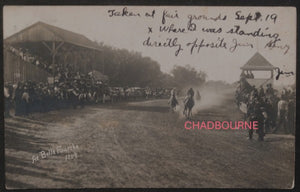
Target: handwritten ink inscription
234, 31
281, 72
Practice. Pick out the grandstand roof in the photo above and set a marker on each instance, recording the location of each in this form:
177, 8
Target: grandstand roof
44, 32
258, 62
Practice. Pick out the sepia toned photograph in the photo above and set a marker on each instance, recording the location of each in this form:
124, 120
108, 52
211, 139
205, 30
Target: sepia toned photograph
149, 97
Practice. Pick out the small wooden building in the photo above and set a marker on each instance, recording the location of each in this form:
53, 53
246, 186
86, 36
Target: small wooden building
258, 63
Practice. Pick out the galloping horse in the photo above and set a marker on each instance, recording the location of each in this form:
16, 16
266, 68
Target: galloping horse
189, 103
188, 106
173, 102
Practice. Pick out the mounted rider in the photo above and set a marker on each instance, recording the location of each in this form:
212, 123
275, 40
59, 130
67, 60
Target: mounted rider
173, 92
189, 99
190, 95
173, 101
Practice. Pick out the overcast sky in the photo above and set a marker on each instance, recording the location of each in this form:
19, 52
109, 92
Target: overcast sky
130, 32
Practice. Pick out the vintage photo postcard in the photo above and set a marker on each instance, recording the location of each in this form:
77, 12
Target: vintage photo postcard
149, 97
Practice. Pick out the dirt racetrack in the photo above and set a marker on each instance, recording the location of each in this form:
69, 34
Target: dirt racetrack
142, 144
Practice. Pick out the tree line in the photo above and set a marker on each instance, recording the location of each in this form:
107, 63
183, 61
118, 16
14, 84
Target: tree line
125, 68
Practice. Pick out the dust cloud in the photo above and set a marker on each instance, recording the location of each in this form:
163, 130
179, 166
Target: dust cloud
211, 96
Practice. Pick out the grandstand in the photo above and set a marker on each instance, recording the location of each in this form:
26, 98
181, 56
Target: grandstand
36, 52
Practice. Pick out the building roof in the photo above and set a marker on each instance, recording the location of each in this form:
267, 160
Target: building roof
258, 62
44, 32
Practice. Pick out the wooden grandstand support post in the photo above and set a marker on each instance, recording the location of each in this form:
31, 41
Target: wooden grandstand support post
53, 51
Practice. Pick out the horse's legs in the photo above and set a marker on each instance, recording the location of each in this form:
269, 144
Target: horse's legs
189, 113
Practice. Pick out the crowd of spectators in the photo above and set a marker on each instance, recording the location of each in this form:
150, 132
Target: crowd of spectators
26, 56
29, 97
273, 110
69, 88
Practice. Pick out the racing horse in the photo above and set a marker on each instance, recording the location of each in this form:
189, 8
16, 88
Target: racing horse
188, 106
173, 102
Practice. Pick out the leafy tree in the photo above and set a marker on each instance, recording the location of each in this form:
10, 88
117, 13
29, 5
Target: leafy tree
125, 68
187, 76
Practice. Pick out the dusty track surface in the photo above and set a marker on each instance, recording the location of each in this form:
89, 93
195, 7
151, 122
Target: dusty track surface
142, 144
